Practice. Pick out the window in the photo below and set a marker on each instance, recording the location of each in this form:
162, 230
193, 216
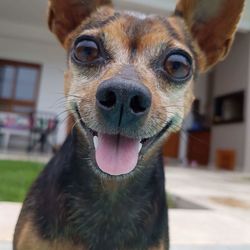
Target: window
19, 85
229, 108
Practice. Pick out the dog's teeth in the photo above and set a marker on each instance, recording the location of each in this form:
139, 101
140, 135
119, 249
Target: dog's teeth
140, 146
95, 139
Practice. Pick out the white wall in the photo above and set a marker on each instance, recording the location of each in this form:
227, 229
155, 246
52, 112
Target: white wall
162, 7
231, 76
52, 59
247, 135
200, 91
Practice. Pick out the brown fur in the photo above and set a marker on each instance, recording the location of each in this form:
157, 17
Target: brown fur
65, 16
30, 239
220, 24
136, 42
152, 33
161, 246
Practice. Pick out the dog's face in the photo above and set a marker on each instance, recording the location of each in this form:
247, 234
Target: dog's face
130, 76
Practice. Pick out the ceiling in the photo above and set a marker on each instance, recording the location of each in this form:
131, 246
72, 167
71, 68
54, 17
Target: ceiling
31, 15
24, 11
33, 12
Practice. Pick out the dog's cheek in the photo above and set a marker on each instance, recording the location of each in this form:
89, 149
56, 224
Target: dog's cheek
179, 104
188, 101
85, 93
67, 82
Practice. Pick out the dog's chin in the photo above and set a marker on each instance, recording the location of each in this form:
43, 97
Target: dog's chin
116, 154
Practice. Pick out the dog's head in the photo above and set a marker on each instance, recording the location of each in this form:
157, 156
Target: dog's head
130, 76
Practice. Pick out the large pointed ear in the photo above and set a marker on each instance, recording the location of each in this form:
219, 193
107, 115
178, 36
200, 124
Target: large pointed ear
212, 24
65, 15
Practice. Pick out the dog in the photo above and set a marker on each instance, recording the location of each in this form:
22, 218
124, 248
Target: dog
128, 86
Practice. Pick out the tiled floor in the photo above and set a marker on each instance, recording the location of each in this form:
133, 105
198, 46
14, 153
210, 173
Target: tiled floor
225, 223
8, 246
220, 227
5, 246
236, 247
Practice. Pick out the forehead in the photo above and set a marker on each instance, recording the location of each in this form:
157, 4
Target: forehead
136, 31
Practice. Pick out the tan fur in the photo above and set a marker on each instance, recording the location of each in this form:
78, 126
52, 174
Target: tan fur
162, 246
29, 239
162, 107
65, 16
196, 22
162, 104
67, 81
214, 21
101, 14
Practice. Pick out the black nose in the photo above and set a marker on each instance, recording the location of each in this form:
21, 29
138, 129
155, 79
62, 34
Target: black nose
122, 102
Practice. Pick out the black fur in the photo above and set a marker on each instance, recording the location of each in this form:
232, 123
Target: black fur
95, 24
69, 201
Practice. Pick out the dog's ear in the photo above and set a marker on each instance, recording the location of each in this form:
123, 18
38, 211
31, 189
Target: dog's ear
65, 15
212, 24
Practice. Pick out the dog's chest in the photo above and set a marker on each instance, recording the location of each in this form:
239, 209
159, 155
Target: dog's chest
113, 224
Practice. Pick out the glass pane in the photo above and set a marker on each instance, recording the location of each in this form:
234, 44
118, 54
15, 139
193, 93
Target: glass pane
7, 74
26, 83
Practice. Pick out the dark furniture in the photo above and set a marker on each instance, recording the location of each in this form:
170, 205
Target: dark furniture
229, 108
43, 126
199, 146
171, 147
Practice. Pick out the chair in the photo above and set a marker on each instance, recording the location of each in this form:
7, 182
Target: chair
43, 128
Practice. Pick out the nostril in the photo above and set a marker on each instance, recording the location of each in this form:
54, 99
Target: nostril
138, 104
108, 100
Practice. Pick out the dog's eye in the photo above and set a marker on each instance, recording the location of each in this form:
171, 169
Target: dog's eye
178, 67
86, 51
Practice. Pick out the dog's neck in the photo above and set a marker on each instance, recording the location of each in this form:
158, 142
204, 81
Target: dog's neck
132, 211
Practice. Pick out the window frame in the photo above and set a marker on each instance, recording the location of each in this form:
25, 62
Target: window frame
11, 102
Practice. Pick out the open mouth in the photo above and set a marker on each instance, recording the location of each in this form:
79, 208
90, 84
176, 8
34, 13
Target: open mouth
117, 154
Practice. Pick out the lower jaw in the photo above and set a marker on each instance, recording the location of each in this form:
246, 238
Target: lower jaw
143, 146
143, 149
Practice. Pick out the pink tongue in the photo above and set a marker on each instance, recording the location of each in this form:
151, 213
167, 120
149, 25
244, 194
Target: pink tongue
116, 155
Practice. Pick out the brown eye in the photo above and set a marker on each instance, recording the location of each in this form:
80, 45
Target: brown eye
86, 51
178, 67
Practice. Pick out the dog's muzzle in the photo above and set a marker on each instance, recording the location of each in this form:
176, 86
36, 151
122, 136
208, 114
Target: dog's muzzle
122, 105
